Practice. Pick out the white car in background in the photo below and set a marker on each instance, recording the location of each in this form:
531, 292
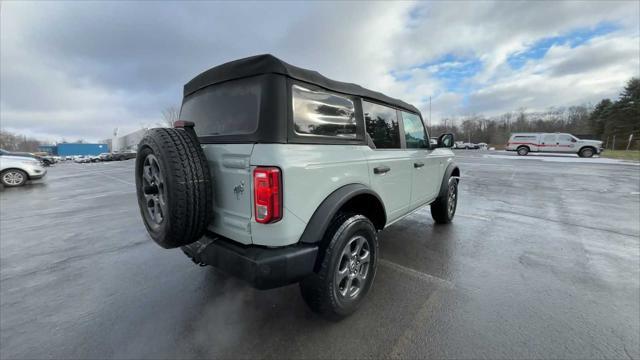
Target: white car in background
17, 170
524, 143
81, 159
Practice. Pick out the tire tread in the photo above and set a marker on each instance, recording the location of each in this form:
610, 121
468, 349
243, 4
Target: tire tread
317, 289
188, 185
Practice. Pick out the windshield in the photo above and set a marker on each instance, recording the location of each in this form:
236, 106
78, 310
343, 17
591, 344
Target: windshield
229, 108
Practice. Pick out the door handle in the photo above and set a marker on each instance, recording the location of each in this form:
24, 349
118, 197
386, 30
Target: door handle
381, 169
418, 165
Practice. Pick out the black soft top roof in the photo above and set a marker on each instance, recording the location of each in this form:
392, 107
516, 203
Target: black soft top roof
269, 64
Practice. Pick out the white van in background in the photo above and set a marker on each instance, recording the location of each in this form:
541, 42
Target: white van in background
524, 143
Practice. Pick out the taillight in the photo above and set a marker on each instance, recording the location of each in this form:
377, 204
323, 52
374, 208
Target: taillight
267, 200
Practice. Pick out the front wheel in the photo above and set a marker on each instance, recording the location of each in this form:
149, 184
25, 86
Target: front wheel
586, 153
347, 269
13, 177
444, 208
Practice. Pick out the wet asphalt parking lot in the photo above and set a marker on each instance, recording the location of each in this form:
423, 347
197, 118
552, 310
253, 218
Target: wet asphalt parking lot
541, 261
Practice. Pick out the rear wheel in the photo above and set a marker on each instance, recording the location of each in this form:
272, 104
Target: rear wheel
523, 150
586, 153
347, 269
13, 177
173, 185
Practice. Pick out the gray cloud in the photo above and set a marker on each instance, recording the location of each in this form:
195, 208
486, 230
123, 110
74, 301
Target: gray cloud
79, 69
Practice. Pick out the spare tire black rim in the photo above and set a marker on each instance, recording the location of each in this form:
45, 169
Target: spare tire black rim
153, 189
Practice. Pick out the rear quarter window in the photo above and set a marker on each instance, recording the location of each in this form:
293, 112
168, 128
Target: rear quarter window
322, 113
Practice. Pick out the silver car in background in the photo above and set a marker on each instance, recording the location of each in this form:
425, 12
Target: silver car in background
17, 170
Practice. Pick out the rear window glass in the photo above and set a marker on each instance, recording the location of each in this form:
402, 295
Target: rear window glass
321, 113
230, 108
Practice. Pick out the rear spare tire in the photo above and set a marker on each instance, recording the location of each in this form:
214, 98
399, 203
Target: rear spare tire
173, 185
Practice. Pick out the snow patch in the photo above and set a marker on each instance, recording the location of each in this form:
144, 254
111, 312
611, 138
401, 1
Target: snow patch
564, 159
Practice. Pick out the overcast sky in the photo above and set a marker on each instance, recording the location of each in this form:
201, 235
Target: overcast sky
80, 69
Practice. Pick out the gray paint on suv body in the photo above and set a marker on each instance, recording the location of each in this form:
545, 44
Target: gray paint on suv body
310, 173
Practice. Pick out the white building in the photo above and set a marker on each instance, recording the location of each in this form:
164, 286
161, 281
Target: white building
128, 142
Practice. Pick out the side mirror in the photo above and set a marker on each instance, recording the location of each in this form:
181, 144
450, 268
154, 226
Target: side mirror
574, 140
445, 140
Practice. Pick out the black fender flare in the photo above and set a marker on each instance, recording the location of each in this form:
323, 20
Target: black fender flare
321, 218
448, 172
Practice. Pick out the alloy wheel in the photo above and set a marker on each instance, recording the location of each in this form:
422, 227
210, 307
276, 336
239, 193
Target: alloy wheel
452, 199
353, 267
13, 178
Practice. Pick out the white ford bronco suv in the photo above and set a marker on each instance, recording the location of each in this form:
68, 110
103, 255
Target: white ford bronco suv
277, 175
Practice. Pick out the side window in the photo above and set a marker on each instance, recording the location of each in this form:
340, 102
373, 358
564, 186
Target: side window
320, 113
382, 126
414, 133
548, 139
565, 138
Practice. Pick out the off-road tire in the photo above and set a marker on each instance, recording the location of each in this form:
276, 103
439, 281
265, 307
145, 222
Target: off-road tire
442, 211
586, 152
319, 290
522, 150
183, 181
18, 173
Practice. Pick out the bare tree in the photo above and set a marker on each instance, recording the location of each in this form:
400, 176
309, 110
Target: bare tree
16, 142
169, 116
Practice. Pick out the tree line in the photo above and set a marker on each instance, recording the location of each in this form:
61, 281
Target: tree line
15, 142
609, 121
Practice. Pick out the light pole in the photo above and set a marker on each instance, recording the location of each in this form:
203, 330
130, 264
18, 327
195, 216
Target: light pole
429, 114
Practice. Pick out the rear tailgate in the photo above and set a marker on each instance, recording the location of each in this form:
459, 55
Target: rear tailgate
231, 176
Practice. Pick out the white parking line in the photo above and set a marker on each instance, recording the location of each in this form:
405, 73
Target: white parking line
416, 273
118, 179
477, 217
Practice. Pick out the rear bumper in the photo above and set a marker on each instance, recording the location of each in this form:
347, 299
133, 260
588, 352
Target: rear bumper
262, 267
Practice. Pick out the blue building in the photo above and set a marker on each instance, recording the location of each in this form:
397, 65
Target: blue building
68, 149
49, 149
